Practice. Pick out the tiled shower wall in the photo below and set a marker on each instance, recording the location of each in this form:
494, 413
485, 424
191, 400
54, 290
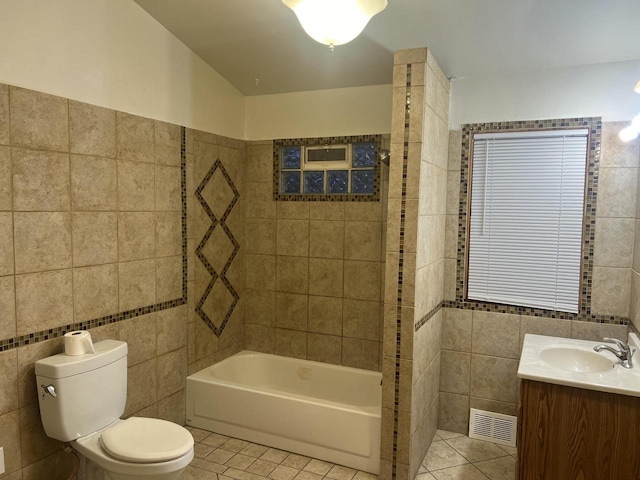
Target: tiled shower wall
90, 225
314, 272
630, 151
216, 246
481, 350
415, 262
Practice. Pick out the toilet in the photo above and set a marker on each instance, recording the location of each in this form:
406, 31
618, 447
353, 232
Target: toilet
81, 400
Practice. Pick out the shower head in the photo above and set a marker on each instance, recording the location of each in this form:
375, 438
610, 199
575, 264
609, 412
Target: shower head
384, 156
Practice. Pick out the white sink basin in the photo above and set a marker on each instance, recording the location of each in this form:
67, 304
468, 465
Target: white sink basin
576, 360
571, 362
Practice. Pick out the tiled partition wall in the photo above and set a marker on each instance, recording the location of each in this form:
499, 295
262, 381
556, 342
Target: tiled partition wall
91, 236
481, 350
216, 244
415, 262
630, 151
314, 272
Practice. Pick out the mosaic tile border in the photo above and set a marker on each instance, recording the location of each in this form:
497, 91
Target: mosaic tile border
277, 144
424, 320
215, 222
594, 124
35, 337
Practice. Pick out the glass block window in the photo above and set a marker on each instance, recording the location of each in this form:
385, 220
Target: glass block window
328, 169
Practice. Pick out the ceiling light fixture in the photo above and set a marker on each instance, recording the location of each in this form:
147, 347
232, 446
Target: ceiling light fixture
335, 22
632, 131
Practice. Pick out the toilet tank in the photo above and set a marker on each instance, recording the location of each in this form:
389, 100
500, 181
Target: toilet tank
90, 390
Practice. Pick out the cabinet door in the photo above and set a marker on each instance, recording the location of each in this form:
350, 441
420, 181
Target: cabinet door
575, 434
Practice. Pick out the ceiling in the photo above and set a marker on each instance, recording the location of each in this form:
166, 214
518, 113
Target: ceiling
245, 40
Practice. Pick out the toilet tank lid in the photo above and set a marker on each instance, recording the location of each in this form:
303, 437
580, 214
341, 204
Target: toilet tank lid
62, 365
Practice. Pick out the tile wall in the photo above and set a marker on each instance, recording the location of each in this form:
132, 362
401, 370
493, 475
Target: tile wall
90, 222
415, 262
314, 272
216, 248
481, 350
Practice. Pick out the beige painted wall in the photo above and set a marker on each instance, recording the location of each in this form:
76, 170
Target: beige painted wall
320, 113
113, 54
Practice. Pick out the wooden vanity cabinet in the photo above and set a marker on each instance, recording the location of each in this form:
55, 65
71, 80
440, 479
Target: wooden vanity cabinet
567, 433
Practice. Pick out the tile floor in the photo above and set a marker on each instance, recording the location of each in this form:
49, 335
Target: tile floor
451, 457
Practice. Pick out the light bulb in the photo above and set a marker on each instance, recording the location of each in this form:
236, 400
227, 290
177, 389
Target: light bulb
635, 123
627, 134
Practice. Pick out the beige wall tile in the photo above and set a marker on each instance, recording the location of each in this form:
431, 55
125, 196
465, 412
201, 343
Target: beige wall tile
136, 284
292, 274
95, 292
326, 238
617, 190
261, 272
454, 413
4, 117
42, 241
35, 444
291, 311
259, 196
135, 187
169, 278
140, 334
615, 152
451, 237
553, 327
361, 319
142, 386
363, 241
43, 301
614, 242
9, 381
259, 163
363, 211
171, 329
292, 210
426, 343
6, 244
168, 140
92, 130
597, 331
431, 233
168, 234
10, 440
39, 120
261, 236
433, 179
172, 408
168, 188
455, 368
40, 180
494, 378
260, 307
325, 277
359, 353
260, 338
7, 307
361, 280
326, 211
496, 334
136, 236
6, 201
324, 348
293, 237
455, 149
135, 138
291, 343
505, 408
95, 238
410, 55
325, 315
172, 372
93, 183
611, 291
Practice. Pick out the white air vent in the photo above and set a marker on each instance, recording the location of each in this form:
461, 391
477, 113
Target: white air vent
493, 427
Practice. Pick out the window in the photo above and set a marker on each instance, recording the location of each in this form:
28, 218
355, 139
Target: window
331, 169
526, 218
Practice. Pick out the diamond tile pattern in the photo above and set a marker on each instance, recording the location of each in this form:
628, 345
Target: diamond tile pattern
222, 196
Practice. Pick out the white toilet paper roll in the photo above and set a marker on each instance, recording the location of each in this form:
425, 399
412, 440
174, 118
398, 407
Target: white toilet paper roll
78, 343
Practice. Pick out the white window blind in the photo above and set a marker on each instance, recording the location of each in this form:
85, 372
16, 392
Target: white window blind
527, 203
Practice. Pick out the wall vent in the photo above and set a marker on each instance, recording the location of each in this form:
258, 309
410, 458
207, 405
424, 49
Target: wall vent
493, 427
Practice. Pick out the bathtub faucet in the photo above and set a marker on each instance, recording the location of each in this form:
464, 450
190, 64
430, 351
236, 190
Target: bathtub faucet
624, 354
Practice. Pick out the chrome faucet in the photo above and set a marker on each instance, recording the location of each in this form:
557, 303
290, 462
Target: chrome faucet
624, 353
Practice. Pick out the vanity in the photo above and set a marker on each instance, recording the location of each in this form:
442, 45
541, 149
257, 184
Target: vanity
579, 412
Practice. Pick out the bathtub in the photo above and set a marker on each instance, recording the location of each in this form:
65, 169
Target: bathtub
315, 409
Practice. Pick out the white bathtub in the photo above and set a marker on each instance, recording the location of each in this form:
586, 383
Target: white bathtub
315, 409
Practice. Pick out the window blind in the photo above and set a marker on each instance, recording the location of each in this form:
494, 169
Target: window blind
527, 204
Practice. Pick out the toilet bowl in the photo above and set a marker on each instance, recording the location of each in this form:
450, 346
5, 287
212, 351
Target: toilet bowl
81, 401
136, 448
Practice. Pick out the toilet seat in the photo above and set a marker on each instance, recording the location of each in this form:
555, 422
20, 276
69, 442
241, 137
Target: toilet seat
146, 440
